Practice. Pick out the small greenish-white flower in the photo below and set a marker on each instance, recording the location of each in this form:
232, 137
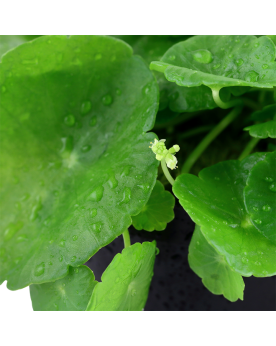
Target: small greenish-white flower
159, 148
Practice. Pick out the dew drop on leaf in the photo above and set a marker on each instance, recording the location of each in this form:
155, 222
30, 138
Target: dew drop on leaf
172, 57
107, 100
93, 121
133, 293
61, 258
75, 237
215, 67
93, 212
62, 243
86, 148
239, 62
97, 194
39, 269
76, 270
244, 260
203, 56
96, 227
126, 195
73, 258
269, 179
112, 181
265, 66
69, 120
258, 221
266, 207
118, 91
251, 76
85, 107
272, 187
255, 208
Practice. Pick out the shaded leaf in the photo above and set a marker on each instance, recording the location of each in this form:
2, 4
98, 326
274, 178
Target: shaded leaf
217, 276
214, 201
72, 293
260, 196
157, 212
267, 113
265, 130
125, 282
75, 163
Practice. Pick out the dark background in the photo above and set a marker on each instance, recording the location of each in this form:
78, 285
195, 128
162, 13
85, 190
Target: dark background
175, 287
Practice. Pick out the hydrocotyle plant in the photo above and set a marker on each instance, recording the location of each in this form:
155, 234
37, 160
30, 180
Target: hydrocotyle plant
77, 170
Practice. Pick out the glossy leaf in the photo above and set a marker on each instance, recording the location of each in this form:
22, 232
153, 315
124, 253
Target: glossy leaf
157, 212
75, 163
260, 196
220, 61
125, 282
72, 293
214, 201
264, 130
217, 276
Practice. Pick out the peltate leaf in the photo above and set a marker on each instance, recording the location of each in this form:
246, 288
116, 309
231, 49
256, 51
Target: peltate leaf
72, 293
260, 196
75, 163
157, 212
215, 272
220, 61
125, 282
214, 201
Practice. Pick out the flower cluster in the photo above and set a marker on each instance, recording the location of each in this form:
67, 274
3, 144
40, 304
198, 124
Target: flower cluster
159, 148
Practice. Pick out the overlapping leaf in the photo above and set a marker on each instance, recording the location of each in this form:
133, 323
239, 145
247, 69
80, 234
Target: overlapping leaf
215, 272
75, 163
72, 293
220, 61
157, 212
125, 282
215, 202
264, 130
260, 196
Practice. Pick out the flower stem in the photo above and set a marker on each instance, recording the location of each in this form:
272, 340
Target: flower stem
166, 172
126, 238
250, 146
209, 138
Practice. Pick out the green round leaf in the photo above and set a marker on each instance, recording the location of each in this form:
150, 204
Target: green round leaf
125, 282
72, 293
215, 272
260, 196
75, 163
220, 61
157, 212
267, 129
214, 201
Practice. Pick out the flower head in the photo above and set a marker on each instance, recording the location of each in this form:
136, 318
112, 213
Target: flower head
161, 152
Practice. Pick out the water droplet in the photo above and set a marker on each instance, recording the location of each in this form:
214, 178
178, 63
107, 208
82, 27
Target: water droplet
237, 40
61, 258
93, 121
12, 229
217, 178
21, 238
97, 194
272, 187
260, 252
257, 57
244, 260
265, 66
239, 62
258, 221
86, 148
67, 144
256, 44
234, 198
69, 120
73, 258
75, 237
203, 56
118, 91
266, 207
98, 56
126, 195
246, 45
225, 222
112, 181
258, 263
93, 212
255, 208
76, 270
36, 208
85, 107
126, 170
133, 293
96, 227
269, 179
39, 269
215, 67
234, 225
172, 57
251, 76
265, 272
230, 56
107, 100
50, 263
62, 242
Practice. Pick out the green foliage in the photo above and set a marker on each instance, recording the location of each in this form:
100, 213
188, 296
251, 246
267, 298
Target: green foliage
157, 212
71, 293
215, 272
8, 42
214, 200
264, 130
125, 282
75, 163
